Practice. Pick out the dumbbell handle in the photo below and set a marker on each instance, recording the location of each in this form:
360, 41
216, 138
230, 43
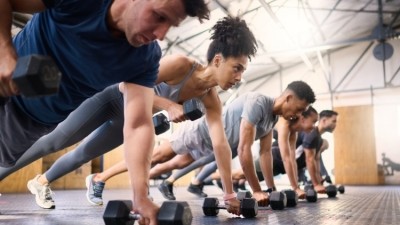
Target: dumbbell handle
134, 216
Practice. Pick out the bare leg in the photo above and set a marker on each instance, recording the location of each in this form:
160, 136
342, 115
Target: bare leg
177, 162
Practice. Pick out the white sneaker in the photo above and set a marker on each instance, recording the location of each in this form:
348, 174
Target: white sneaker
94, 193
42, 193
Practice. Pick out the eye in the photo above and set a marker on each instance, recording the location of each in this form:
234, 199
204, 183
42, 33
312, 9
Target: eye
158, 17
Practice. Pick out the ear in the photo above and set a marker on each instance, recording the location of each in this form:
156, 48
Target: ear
217, 60
289, 97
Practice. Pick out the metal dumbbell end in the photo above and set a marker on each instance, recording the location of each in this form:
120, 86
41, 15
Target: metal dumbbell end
193, 109
161, 123
171, 213
277, 200
36, 75
291, 197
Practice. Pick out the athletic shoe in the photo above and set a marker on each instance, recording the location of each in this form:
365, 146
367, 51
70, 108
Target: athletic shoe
197, 190
166, 189
94, 193
42, 193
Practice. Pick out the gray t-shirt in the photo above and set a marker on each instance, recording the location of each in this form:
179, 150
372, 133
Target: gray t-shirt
254, 107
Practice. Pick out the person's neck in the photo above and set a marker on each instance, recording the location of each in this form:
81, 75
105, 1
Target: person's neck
204, 78
114, 19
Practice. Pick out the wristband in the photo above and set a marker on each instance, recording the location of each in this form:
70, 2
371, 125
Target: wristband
229, 196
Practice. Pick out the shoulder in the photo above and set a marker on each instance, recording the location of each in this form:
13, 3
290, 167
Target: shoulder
179, 62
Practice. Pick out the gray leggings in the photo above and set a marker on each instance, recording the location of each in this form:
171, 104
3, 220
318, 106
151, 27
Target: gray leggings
209, 168
101, 116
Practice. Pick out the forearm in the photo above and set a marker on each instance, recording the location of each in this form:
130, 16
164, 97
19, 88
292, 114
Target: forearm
246, 162
5, 25
290, 171
161, 103
318, 170
138, 147
266, 162
223, 157
312, 170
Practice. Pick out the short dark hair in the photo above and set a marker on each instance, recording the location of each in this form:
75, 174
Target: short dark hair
327, 114
309, 111
302, 90
197, 8
232, 38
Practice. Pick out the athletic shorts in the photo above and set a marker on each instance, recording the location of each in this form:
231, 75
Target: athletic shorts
18, 132
187, 140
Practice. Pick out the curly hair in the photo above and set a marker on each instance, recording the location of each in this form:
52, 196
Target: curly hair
197, 8
232, 38
302, 90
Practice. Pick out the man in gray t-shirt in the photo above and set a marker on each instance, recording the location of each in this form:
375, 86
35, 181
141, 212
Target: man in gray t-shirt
249, 117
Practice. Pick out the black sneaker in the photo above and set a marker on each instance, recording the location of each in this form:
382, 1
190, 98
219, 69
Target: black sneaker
197, 190
235, 187
166, 190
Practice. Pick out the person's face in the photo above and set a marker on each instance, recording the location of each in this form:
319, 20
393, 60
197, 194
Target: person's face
329, 124
229, 71
148, 20
293, 107
308, 123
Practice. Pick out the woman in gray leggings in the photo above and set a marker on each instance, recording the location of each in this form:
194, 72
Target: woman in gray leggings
101, 117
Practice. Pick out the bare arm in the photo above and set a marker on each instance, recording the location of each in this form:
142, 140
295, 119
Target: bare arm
8, 55
246, 140
266, 161
222, 151
138, 144
175, 110
311, 165
285, 141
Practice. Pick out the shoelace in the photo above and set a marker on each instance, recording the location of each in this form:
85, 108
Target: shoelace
98, 189
48, 193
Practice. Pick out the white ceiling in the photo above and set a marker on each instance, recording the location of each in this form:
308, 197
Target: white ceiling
291, 32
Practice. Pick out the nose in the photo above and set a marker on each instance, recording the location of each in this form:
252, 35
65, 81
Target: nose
161, 31
238, 77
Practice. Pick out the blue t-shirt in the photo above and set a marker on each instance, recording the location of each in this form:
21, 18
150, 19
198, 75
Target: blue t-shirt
312, 140
75, 34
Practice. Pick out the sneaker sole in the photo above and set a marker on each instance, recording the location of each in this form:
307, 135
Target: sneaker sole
34, 192
87, 182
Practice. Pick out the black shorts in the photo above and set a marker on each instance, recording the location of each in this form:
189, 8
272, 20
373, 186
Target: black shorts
18, 132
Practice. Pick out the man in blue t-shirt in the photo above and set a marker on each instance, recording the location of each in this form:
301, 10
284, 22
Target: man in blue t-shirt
312, 143
95, 44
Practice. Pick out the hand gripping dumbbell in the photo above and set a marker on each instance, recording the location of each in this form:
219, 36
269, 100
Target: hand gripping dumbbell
192, 110
36, 75
248, 207
277, 200
171, 213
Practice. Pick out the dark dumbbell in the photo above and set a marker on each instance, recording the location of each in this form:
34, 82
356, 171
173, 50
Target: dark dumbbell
331, 191
171, 213
277, 200
248, 207
161, 123
36, 75
311, 194
291, 197
341, 189
192, 110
